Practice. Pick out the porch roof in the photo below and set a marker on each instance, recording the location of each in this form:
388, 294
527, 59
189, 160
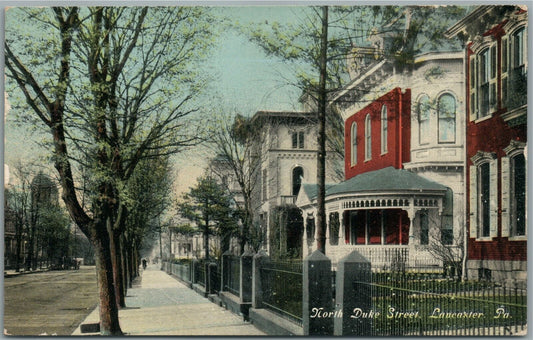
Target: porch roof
386, 179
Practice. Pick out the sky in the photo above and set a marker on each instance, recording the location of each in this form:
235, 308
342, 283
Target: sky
244, 78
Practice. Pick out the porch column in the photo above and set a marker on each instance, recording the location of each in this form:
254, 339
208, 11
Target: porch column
342, 233
411, 214
411, 245
313, 243
327, 229
305, 248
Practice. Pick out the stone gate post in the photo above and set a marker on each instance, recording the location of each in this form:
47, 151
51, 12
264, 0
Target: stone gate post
317, 297
354, 296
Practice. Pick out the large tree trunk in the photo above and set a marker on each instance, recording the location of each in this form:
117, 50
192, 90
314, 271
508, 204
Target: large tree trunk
117, 268
124, 261
109, 322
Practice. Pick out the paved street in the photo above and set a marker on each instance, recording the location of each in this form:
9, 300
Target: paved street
161, 305
52, 302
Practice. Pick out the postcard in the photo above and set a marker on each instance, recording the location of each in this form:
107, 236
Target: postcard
259, 169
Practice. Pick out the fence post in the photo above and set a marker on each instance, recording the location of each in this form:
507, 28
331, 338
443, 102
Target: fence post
317, 295
257, 285
212, 275
246, 276
224, 273
193, 271
353, 296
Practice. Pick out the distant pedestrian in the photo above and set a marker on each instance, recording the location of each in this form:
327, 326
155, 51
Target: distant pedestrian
144, 263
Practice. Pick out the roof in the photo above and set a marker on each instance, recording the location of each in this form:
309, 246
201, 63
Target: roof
475, 17
387, 179
311, 190
260, 116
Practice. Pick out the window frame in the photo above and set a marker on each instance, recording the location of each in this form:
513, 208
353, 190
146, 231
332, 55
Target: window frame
293, 184
479, 160
483, 73
424, 125
353, 145
384, 129
514, 150
297, 138
368, 137
439, 118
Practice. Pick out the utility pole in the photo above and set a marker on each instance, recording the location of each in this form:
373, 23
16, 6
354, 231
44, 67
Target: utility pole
321, 159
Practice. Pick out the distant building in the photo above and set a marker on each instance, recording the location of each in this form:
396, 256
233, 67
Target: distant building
287, 147
496, 57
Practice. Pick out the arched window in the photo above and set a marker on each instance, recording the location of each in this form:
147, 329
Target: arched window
423, 120
368, 138
384, 129
297, 175
353, 135
447, 108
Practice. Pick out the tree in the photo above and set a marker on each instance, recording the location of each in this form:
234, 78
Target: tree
322, 42
231, 140
209, 206
39, 222
148, 196
113, 85
18, 207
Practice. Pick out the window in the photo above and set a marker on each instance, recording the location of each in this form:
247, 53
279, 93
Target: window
424, 228
297, 175
514, 188
353, 135
384, 129
447, 219
483, 76
368, 138
483, 197
517, 87
423, 120
334, 225
483, 200
518, 50
518, 195
446, 108
484, 82
298, 140
264, 183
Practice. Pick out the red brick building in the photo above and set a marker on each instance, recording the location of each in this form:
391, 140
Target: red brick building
496, 141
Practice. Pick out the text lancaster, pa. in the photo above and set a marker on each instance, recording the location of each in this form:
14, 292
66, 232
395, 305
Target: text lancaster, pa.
392, 313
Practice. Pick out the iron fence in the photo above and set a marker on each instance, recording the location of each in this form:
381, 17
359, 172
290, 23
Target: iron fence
215, 278
429, 304
199, 272
182, 271
233, 282
283, 288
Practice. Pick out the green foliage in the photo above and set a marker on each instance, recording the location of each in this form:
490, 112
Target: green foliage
209, 206
286, 231
410, 30
147, 196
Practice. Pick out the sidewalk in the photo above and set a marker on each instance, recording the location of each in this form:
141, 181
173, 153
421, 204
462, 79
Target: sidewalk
161, 305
